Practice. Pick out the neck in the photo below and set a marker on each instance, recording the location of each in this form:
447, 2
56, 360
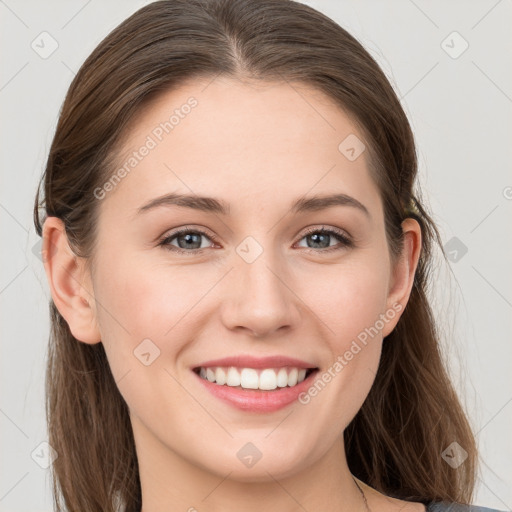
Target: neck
171, 482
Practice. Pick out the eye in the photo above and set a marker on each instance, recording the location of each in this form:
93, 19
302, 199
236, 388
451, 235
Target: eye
320, 239
188, 240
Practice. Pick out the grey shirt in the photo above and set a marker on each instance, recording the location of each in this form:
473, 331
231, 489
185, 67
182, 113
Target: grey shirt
442, 506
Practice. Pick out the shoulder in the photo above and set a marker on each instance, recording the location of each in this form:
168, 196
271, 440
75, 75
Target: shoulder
444, 506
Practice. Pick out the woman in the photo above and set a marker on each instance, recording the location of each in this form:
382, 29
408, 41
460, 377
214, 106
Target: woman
238, 261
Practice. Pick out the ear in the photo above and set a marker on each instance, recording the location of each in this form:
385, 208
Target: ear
402, 275
69, 283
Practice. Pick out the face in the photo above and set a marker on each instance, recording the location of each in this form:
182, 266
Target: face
257, 277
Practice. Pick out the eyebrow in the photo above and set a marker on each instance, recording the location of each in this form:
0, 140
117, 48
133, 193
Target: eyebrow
212, 205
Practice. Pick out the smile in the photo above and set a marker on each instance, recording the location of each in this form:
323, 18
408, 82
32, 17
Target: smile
265, 379
265, 389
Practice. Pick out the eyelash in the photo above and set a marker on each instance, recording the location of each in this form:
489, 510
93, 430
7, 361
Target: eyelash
345, 241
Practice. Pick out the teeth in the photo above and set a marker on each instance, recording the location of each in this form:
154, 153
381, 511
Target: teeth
250, 378
268, 380
292, 376
233, 378
282, 378
220, 376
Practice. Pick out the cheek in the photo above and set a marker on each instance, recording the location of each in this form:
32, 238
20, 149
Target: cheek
143, 300
349, 302
143, 297
134, 305
144, 321
347, 298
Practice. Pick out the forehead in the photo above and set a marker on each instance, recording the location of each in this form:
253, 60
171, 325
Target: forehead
236, 139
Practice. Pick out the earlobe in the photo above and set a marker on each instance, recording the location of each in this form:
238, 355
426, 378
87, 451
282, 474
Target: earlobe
402, 276
71, 291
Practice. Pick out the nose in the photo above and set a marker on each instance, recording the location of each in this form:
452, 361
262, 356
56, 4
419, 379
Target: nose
259, 298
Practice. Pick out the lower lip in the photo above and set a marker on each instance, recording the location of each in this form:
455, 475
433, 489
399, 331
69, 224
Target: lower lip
253, 400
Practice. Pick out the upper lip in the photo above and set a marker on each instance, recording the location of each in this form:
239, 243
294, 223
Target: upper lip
245, 361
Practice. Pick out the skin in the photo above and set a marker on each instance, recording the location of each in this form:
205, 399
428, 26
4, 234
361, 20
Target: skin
257, 146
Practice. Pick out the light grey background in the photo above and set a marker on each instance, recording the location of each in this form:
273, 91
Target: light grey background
461, 112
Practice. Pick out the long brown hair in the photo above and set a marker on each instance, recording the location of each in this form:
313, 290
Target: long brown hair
412, 413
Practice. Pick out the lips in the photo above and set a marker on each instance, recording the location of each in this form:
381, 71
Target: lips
246, 361
254, 384
256, 400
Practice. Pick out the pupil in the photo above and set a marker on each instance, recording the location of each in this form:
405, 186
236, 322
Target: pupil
189, 238
317, 235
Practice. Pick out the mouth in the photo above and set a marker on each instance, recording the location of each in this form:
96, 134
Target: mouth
256, 384
256, 390
256, 379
